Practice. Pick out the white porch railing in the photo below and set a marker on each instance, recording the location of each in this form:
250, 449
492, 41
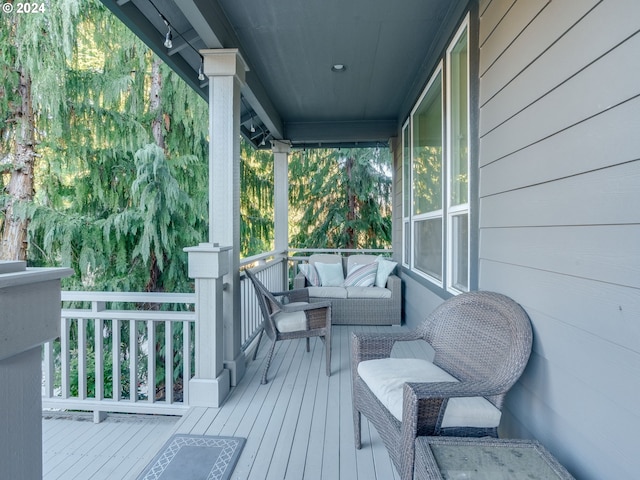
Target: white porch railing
101, 362
271, 268
121, 352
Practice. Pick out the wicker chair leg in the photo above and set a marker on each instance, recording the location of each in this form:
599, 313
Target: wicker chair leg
356, 428
327, 346
268, 362
255, 352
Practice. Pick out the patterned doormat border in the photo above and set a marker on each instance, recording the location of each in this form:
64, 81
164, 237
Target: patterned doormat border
194, 457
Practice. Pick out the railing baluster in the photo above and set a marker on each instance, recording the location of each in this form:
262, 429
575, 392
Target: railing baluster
82, 358
98, 359
98, 350
133, 362
186, 361
64, 357
115, 363
151, 361
168, 362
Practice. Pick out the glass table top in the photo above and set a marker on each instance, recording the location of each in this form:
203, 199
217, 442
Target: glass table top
483, 462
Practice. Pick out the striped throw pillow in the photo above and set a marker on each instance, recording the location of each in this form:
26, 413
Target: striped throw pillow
362, 275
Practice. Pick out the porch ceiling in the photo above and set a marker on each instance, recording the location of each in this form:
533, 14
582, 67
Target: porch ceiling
290, 46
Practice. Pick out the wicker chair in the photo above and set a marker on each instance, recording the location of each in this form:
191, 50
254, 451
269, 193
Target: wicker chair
482, 339
293, 317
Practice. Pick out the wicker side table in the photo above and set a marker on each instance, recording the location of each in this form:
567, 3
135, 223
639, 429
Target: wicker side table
453, 458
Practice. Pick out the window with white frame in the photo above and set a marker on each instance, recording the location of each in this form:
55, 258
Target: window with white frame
406, 195
436, 210
426, 174
458, 162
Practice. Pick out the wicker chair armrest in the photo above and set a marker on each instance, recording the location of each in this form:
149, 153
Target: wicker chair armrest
423, 407
318, 315
371, 346
306, 307
435, 390
296, 295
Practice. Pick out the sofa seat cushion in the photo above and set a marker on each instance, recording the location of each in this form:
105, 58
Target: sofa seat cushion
328, 292
386, 377
291, 321
367, 292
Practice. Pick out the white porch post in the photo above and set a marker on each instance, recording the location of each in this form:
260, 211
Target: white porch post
281, 150
226, 69
208, 264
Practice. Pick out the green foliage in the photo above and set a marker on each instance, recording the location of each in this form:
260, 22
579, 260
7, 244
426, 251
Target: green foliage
256, 200
340, 198
109, 204
119, 209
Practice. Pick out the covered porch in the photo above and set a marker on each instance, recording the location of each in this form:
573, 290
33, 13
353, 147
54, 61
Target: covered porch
553, 160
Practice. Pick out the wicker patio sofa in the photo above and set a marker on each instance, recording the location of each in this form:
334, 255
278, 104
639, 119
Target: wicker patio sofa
482, 342
378, 304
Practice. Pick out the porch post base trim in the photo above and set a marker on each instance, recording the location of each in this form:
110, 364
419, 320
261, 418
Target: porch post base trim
236, 367
205, 392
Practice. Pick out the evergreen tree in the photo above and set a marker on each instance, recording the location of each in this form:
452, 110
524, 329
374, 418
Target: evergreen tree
340, 198
256, 200
35, 50
124, 186
103, 157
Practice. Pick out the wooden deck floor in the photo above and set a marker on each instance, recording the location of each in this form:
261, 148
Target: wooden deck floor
298, 426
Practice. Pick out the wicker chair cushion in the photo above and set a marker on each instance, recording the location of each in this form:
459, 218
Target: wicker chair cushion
291, 321
331, 274
385, 378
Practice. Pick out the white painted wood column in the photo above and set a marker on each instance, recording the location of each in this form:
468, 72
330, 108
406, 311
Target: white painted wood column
208, 264
29, 316
226, 69
281, 150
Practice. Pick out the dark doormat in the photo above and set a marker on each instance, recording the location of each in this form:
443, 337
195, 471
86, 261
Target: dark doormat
194, 457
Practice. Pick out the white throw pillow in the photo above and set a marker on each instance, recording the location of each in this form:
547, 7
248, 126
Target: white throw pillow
385, 267
362, 275
330, 274
311, 273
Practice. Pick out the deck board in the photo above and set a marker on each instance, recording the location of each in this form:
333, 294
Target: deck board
76, 448
297, 426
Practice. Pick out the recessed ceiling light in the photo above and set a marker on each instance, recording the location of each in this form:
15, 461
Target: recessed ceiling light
338, 67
